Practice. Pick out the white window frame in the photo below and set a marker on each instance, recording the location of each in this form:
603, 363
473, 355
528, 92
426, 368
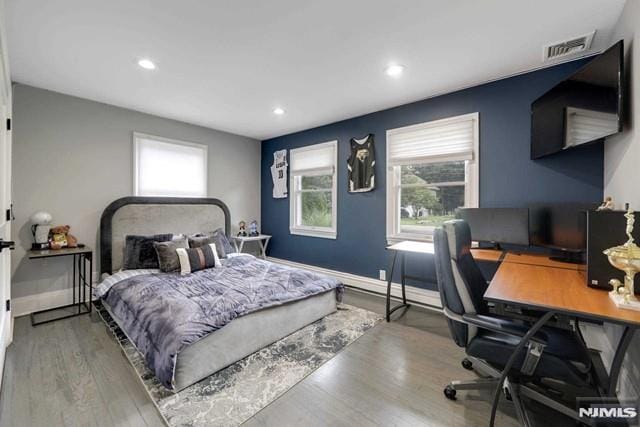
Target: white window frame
137, 136
472, 181
295, 196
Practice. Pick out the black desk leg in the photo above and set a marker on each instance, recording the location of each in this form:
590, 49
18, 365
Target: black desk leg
73, 286
403, 278
535, 328
84, 280
618, 358
389, 279
402, 281
90, 280
79, 258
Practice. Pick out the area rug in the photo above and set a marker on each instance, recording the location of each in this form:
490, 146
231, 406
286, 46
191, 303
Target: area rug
236, 393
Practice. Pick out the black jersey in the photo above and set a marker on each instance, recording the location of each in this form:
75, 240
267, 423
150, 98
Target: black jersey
361, 165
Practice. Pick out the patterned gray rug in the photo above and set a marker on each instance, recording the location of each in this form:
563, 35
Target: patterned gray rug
236, 393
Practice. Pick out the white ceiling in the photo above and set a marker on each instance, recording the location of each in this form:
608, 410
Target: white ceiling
228, 64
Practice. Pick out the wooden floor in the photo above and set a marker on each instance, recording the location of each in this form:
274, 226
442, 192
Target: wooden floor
72, 372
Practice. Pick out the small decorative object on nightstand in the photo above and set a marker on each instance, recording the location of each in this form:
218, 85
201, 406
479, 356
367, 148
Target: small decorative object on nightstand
262, 239
242, 229
82, 258
253, 228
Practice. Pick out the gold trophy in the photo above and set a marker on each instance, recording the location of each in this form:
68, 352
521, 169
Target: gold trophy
626, 258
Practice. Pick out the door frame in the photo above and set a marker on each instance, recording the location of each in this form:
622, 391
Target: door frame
6, 334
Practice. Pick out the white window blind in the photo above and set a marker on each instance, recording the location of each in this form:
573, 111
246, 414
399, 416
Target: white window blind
166, 167
315, 160
313, 184
431, 142
588, 125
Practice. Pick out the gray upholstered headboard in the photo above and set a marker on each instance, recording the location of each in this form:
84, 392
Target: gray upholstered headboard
154, 215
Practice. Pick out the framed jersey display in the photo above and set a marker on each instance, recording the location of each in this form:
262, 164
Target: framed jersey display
361, 165
279, 174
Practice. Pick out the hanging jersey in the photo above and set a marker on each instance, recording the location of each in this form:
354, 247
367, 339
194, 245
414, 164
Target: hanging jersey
279, 174
361, 165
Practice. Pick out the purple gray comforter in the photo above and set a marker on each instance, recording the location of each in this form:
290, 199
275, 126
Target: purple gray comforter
162, 313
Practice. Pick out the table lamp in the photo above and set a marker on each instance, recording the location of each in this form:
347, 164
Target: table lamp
40, 226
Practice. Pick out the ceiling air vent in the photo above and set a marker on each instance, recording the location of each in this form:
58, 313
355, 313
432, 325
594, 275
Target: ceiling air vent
568, 47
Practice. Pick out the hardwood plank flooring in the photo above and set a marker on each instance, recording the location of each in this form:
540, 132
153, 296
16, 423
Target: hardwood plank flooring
393, 375
72, 372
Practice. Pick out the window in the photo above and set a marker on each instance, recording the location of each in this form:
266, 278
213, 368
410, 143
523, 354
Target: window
313, 187
165, 167
432, 169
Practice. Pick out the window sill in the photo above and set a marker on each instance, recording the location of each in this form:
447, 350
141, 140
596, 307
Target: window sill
400, 238
313, 233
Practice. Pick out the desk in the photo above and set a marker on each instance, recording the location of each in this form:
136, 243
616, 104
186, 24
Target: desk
81, 278
401, 249
558, 291
426, 248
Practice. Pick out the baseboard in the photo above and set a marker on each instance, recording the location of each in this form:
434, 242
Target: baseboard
22, 306
431, 299
427, 298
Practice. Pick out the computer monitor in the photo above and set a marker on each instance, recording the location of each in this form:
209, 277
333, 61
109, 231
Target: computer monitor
497, 225
561, 226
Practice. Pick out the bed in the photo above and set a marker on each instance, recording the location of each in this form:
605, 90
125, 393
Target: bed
263, 302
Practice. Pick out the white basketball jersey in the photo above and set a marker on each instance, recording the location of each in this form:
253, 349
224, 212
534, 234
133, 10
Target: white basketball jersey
279, 174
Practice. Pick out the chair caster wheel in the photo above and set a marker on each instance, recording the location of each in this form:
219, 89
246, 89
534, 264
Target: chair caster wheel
467, 364
450, 392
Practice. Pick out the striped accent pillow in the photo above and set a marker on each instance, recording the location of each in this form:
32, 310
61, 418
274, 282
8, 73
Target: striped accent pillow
196, 259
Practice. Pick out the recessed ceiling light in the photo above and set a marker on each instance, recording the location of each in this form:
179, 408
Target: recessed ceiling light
147, 64
278, 111
394, 70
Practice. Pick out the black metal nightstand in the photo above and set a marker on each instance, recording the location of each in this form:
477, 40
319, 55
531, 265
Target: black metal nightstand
80, 304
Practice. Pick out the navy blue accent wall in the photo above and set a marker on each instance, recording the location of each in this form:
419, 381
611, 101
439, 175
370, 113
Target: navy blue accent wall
508, 178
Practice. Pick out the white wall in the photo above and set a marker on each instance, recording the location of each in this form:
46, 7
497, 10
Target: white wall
622, 151
621, 170
72, 157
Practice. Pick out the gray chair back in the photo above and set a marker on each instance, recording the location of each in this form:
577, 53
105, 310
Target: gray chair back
460, 281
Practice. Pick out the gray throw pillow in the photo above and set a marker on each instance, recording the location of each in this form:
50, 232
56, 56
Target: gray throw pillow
220, 237
140, 253
167, 256
223, 247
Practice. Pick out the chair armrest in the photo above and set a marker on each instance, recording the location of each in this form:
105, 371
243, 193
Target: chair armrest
504, 326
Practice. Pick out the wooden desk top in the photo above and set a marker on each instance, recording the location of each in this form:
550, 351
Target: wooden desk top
539, 259
487, 254
48, 253
559, 289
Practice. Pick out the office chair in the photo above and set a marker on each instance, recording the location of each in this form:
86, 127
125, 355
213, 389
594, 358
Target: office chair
552, 356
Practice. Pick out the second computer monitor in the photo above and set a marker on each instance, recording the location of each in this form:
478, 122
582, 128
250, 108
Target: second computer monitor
497, 225
560, 226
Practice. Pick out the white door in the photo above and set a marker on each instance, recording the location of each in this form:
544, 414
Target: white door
6, 329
